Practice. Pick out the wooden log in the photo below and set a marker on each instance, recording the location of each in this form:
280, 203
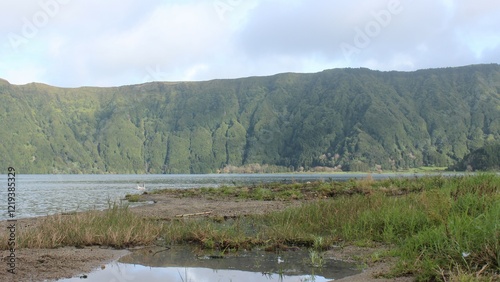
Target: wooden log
193, 214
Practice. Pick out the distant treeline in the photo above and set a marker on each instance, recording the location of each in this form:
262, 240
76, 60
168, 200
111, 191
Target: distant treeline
486, 158
340, 119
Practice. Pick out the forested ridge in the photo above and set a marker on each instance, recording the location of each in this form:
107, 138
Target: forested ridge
344, 119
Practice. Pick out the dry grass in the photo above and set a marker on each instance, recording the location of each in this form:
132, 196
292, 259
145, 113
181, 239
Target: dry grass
116, 227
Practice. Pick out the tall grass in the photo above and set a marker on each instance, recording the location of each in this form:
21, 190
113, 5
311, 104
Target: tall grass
116, 227
211, 234
439, 227
465, 236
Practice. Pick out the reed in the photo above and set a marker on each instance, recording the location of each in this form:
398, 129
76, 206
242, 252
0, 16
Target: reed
116, 227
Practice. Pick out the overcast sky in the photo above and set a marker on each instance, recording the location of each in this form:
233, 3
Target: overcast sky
73, 43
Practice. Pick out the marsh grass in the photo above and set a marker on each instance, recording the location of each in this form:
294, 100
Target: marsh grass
316, 259
464, 237
133, 198
277, 191
221, 236
439, 228
115, 227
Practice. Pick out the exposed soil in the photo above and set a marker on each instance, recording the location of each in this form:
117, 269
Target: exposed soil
168, 206
52, 264
372, 271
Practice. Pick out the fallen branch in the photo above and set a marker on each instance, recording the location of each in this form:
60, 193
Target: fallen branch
193, 214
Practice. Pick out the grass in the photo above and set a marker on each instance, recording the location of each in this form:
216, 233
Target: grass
316, 259
116, 227
133, 198
274, 191
439, 228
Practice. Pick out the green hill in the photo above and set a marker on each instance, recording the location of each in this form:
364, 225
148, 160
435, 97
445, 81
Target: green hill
353, 119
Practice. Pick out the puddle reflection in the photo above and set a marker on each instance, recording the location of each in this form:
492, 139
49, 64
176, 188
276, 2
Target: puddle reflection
183, 264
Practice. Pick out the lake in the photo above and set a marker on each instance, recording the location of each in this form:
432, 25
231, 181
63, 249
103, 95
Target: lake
39, 195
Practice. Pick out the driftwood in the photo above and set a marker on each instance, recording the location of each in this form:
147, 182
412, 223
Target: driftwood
193, 214
166, 249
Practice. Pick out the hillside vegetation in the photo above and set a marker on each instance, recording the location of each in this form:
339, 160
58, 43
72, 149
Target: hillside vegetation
486, 158
349, 119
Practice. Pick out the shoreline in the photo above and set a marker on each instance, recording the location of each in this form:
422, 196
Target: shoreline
381, 225
60, 263
419, 170
68, 262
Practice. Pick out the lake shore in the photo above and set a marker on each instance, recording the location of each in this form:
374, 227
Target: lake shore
54, 264
389, 227
67, 262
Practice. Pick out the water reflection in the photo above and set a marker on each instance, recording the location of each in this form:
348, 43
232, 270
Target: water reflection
184, 263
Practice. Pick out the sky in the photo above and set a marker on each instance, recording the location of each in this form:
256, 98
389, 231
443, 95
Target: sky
73, 43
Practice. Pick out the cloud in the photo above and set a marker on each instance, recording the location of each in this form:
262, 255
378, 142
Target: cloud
173, 36
104, 43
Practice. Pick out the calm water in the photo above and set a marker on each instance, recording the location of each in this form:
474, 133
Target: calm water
184, 263
38, 195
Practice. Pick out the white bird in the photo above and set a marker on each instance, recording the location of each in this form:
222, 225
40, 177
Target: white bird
141, 188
